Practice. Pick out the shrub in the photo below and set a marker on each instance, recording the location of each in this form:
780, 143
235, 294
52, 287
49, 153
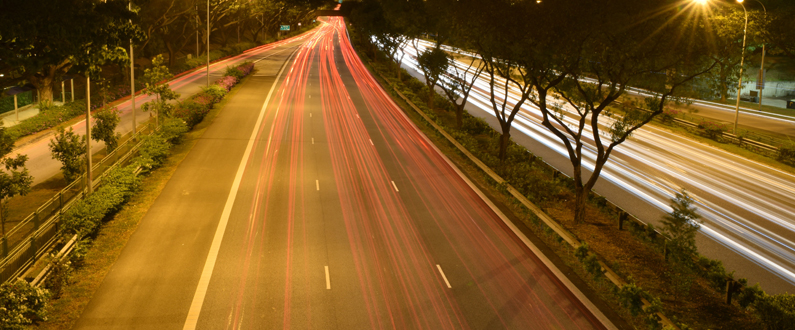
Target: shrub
234, 72
215, 92
582, 251
59, 276
105, 128
83, 218
777, 311
192, 111
246, 68
748, 295
173, 129
227, 82
153, 152
713, 271
21, 304
669, 114
592, 266
70, 149
78, 255
711, 129
786, 153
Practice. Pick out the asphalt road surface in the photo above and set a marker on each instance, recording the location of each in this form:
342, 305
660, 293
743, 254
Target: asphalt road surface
312, 202
747, 207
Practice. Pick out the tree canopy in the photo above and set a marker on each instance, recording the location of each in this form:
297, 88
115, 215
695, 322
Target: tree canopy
40, 40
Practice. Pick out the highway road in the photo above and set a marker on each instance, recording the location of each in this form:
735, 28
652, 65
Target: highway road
40, 162
747, 207
312, 201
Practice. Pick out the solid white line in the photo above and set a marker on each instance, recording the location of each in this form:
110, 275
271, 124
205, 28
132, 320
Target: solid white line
215, 247
371, 142
394, 185
317, 184
443, 277
328, 280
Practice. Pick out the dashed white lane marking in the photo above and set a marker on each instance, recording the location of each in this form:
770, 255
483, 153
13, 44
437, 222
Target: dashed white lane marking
317, 184
443, 277
357, 116
310, 115
328, 280
371, 142
394, 185
313, 140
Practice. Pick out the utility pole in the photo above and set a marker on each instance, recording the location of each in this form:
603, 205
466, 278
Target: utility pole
761, 82
740, 83
208, 43
198, 21
88, 135
132, 80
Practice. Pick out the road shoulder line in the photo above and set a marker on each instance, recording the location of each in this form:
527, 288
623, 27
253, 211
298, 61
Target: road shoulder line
204, 281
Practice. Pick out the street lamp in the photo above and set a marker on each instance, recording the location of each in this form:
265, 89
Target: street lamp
132, 79
208, 43
762, 66
742, 60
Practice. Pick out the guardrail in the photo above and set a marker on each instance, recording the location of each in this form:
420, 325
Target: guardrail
33, 237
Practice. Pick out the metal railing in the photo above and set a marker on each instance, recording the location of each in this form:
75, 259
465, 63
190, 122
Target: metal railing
33, 237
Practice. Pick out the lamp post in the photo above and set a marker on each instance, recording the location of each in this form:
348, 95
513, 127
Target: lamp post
208, 43
762, 66
132, 80
742, 62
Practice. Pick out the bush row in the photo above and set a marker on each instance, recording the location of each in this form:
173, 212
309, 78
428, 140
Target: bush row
193, 109
48, 117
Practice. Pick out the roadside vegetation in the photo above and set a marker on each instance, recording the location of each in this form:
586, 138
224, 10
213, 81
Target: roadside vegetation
660, 265
86, 220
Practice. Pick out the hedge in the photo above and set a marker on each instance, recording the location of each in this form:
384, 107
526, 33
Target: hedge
48, 117
83, 218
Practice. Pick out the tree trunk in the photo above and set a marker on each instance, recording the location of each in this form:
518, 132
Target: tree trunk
430, 97
171, 56
579, 203
505, 139
459, 115
43, 82
724, 88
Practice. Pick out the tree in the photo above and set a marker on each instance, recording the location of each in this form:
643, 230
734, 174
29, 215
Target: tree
15, 180
104, 128
41, 40
681, 226
578, 63
779, 29
370, 18
70, 149
174, 22
458, 87
727, 24
433, 63
156, 79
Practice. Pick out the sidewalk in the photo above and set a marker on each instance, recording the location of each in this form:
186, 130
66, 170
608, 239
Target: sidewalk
10, 118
